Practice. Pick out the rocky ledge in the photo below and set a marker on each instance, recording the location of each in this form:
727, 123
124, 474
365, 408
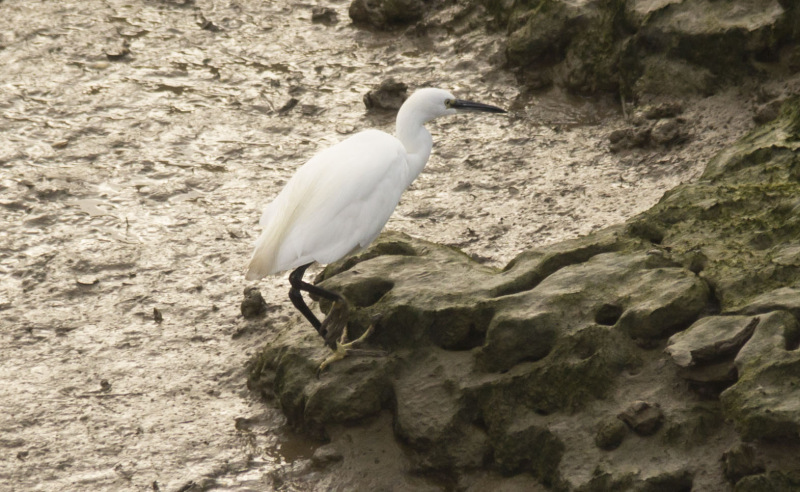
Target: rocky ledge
634, 48
661, 354
638, 47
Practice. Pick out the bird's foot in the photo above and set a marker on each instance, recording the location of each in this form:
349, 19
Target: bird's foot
334, 326
345, 348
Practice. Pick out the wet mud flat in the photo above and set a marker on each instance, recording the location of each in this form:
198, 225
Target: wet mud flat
138, 143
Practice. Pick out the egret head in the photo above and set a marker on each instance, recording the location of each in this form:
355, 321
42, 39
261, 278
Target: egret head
427, 104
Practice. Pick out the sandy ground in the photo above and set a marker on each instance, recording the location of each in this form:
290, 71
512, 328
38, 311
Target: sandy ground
136, 151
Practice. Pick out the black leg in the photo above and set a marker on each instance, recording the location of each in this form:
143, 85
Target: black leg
296, 296
297, 299
296, 279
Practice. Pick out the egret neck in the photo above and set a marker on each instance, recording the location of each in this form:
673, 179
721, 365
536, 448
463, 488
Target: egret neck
415, 138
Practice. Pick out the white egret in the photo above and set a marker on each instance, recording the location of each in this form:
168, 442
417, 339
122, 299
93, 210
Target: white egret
338, 202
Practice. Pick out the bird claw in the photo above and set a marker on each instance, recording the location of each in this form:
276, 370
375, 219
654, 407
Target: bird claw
344, 348
335, 322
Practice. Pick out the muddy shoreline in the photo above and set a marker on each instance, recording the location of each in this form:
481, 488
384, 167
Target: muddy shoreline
137, 146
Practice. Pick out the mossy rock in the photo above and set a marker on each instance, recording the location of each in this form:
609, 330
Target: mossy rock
543, 34
664, 76
765, 402
443, 319
594, 60
660, 48
651, 297
715, 34
582, 40
525, 444
386, 13
741, 216
773, 481
488, 367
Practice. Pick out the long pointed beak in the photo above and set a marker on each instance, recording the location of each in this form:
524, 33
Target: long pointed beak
470, 106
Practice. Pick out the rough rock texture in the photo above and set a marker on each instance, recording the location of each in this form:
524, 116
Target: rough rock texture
765, 402
711, 339
643, 418
390, 94
386, 13
651, 126
741, 461
611, 434
522, 370
738, 225
637, 49
664, 47
253, 305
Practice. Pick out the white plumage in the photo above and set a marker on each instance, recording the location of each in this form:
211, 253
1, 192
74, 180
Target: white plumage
336, 203
339, 201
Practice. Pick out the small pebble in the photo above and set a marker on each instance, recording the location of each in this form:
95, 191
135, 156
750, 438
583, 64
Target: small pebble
611, 434
326, 455
253, 304
324, 15
643, 417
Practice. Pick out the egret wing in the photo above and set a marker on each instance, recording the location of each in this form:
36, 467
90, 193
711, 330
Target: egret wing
336, 203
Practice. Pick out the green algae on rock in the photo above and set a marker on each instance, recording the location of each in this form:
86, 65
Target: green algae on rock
386, 13
765, 402
463, 359
635, 48
741, 216
512, 369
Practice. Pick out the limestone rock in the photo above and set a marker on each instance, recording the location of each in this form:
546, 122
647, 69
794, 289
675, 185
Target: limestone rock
741, 461
710, 33
529, 268
610, 434
673, 481
643, 417
253, 305
773, 481
367, 391
431, 417
543, 34
576, 319
693, 423
783, 298
765, 402
386, 13
524, 444
709, 380
664, 47
578, 40
773, 141
738, 217
652, 301
668, 132
390, 94
711, 339
672, 77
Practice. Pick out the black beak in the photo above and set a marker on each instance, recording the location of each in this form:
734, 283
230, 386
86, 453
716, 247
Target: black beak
462, 105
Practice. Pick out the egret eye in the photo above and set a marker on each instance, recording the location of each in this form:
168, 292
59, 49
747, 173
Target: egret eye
448, 103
